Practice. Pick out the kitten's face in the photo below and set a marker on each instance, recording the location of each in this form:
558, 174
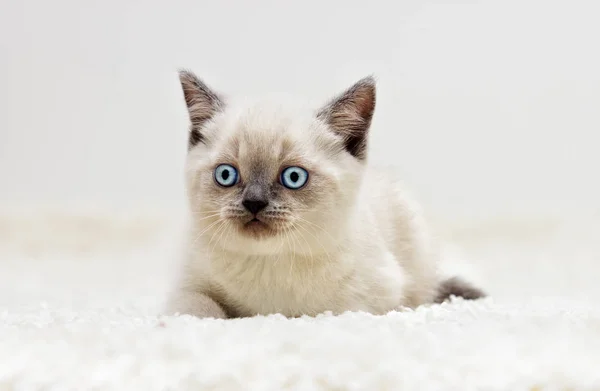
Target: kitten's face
263, 180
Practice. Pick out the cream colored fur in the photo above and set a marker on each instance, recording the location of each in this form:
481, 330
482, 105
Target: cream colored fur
352, 241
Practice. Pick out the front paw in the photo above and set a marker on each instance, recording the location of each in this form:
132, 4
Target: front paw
195, 304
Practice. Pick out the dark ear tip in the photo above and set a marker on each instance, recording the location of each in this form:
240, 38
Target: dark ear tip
369, 80
366, 89
187, 76
369, 83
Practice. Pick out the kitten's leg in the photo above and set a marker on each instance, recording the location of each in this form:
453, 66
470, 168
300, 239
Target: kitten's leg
196, 304
457, 287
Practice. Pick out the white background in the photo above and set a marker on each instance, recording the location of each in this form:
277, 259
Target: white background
488, 108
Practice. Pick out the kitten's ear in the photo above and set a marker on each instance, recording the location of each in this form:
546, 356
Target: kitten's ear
202, 104
350, 113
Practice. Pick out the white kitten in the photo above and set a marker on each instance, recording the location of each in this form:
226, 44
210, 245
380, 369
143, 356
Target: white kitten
287, 217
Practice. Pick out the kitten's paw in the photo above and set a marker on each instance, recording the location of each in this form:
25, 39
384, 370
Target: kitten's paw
455, 286
195, 304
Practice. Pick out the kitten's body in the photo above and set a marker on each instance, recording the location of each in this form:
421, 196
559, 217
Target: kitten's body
347, 240
383, 261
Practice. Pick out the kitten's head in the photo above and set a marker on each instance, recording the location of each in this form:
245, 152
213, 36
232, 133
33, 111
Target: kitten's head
262, 179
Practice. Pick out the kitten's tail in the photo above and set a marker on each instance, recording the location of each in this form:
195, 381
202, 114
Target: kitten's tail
456, 286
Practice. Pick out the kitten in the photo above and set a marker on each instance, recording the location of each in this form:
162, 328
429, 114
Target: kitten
287, 217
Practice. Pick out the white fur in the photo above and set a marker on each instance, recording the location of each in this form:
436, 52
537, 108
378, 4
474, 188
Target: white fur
366, 249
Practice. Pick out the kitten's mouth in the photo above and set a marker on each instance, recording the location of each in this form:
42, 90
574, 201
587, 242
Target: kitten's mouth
257, 228
254, 221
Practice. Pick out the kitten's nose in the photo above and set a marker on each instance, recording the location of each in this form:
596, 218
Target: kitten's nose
255, 206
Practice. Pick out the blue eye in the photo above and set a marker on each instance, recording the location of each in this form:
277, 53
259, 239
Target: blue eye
226, 175
294, 177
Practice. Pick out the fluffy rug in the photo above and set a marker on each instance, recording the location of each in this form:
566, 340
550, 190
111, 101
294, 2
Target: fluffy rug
79, 296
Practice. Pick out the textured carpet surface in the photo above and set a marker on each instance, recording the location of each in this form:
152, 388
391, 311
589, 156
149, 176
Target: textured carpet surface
79, 297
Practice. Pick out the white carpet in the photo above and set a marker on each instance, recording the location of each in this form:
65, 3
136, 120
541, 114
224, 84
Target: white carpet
77, 313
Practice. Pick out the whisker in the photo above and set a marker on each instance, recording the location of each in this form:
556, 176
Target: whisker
206, 229
201, 212
312, 259
318, 240
208, 217
219, 228
293, 260
225, 226
317, 226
